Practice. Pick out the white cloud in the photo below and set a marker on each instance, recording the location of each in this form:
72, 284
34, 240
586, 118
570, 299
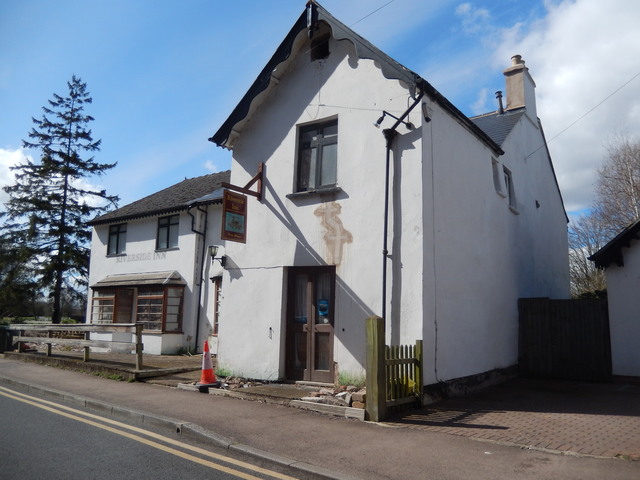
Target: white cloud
210, 166
579, 55
8, 159
481, 104
473, 19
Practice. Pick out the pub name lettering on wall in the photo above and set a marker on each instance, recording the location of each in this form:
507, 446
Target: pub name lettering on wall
141, 257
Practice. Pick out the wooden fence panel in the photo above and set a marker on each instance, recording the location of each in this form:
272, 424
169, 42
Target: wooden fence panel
394, 372
403, 372
567, 339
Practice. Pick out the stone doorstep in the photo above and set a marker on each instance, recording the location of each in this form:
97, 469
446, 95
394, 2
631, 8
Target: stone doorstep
334, 410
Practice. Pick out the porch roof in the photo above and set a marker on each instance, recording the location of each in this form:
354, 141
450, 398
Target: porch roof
151, 278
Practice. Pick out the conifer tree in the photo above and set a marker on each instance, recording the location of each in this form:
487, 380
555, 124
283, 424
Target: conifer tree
51, 200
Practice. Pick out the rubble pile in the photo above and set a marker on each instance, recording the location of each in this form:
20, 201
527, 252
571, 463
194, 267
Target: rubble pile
233, 383
343, 396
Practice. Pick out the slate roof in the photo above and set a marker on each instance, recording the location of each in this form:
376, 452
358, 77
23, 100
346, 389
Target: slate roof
203, 190
498, 125
391, 69
612, 251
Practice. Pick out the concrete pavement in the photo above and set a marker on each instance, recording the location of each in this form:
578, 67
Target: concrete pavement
527, 429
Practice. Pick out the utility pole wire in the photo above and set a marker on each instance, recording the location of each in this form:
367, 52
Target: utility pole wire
376, 10
587, 113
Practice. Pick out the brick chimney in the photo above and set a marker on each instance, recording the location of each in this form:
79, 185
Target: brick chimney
521, 89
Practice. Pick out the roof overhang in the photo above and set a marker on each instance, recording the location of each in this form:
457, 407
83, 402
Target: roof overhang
612, 251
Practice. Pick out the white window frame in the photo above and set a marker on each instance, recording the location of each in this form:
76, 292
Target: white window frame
510, 189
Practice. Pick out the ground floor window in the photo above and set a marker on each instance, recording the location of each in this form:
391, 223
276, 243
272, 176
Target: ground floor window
159, 308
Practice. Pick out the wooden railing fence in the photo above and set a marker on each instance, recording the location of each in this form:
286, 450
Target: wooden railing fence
394, 372
79, 335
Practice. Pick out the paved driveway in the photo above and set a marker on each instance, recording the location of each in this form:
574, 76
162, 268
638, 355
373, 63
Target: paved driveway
594, 419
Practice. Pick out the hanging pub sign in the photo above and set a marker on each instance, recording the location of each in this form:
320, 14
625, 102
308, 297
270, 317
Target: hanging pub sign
234, 217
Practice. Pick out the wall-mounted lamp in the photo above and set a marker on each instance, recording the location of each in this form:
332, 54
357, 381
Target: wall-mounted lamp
409, 125
213, 252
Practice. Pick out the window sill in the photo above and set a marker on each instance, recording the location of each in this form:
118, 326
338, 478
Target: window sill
166, 249
160, 332
314, 193
116, 255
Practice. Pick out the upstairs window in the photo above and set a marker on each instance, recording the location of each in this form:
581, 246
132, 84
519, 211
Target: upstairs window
117, 239
168, 232
317, 156
496, 177
509, 189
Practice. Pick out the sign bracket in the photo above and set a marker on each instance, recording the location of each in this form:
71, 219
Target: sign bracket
258, 177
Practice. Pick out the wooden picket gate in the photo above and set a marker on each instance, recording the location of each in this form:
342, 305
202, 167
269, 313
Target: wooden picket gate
403, 368
394, 372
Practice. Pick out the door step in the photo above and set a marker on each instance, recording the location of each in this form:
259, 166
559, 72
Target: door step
315, 384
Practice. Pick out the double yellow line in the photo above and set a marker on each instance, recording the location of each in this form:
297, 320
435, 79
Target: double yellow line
125, 430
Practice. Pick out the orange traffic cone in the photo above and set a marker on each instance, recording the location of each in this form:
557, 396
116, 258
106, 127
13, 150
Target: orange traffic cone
208, 376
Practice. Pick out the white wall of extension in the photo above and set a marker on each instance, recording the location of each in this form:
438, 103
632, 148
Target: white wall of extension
624, 303
141, 257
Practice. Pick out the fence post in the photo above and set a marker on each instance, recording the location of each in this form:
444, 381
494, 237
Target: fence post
139, 346
49, 335
376, 403
86, 349
419, 368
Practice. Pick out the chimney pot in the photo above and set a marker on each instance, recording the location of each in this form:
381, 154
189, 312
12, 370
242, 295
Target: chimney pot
517, 60
500, 106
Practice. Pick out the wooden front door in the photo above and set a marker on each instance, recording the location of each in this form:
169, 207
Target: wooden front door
310, 320
124, 305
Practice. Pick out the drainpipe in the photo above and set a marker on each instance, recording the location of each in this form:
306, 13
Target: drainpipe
202, 257
390, 134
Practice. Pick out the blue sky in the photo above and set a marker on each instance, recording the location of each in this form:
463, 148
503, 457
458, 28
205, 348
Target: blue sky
165, 74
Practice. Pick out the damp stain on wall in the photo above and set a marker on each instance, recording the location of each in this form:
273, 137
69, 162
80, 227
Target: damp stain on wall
335, 235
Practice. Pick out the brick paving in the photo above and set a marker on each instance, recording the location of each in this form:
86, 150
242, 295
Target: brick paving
601, 420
